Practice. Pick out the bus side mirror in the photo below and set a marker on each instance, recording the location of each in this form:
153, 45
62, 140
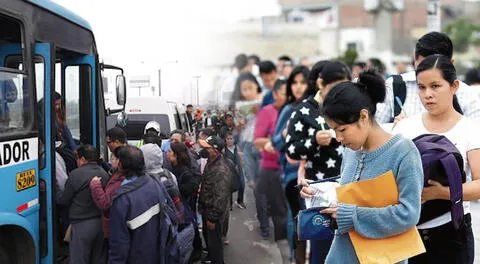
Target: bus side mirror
121, 90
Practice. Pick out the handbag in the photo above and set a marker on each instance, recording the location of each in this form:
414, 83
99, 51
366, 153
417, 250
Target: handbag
312, 225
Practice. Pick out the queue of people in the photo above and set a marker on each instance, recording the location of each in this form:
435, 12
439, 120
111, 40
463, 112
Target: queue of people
315, 124
287, 128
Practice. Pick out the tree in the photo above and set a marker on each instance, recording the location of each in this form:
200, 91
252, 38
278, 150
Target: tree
349, 57
463, 34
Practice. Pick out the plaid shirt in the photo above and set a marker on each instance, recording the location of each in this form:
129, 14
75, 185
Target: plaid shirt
467, 98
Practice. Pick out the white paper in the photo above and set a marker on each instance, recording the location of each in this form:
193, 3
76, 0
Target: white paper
324, 194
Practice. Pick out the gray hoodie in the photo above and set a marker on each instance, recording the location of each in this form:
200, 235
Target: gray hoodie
153, 157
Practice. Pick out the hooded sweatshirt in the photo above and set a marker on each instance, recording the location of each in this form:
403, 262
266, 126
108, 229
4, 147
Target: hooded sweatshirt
153, 158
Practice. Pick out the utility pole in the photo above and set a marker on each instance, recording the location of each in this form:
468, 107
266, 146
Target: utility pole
198, 89
160, 82
433, 16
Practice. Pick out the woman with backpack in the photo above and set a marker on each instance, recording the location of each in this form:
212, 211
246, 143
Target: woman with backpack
349, 109
446, 241
188, 181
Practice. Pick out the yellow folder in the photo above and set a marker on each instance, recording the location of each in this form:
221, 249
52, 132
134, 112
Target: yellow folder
379, 192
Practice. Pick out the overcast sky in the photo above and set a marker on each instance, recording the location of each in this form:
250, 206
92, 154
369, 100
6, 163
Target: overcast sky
159, 30
150, 34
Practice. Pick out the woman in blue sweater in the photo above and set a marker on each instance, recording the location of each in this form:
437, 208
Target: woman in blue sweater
349, 109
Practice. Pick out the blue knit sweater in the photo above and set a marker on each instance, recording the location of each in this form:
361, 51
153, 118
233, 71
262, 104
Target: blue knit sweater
399, 155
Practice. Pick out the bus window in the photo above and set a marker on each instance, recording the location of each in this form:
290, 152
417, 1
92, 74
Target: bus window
72, 102
78, 79
15, 98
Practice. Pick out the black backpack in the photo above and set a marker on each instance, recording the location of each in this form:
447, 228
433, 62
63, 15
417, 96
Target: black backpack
400, 91
234, 174
69, 157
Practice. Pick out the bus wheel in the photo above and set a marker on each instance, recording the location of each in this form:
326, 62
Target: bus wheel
5, 256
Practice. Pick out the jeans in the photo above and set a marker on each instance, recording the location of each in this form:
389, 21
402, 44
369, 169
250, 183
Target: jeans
269, 195
444, 244
251, 159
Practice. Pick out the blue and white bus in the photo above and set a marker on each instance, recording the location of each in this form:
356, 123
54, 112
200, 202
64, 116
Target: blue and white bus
44, 48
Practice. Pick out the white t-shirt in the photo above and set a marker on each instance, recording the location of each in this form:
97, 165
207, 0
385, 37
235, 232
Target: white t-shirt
464, 135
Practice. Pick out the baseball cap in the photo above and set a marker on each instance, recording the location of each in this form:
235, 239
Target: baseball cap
212, 142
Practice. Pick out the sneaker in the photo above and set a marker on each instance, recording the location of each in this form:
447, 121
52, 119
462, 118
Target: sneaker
241, 205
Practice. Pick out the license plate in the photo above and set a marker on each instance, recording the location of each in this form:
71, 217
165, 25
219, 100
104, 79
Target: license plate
26, 179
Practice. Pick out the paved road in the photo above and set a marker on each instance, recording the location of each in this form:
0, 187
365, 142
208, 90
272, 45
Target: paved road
246, 246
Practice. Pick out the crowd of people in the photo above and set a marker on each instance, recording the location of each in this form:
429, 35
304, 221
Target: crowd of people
296, 124
285, 128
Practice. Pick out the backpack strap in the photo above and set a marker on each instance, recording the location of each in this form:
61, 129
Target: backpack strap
455, 185
400, 91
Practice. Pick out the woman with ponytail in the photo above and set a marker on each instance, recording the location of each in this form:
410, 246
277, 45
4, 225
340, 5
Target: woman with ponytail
349, 110
309, 141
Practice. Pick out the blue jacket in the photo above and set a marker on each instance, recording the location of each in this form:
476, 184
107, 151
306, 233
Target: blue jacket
399, 155
278, 141
267, 99
135, 223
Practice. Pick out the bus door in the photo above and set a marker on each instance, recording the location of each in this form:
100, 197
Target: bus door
44, 75
19, 188
79, 95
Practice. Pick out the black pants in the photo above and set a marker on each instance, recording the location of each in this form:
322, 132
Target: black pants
444, 244
213, 239
269, 195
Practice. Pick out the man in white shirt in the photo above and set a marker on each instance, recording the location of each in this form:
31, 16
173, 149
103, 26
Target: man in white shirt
430, 44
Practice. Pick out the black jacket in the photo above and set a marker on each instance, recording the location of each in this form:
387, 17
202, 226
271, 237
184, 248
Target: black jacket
77, 193
188, 181
216, 189
301, 143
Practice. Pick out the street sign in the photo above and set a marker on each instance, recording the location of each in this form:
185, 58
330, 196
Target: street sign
139, 81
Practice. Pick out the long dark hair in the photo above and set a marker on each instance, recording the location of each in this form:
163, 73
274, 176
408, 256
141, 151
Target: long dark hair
345, 101
303, 70
446, 68
181, 153
314, 73
237, 93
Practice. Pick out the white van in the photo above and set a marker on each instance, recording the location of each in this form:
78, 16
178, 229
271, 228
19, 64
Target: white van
141, 110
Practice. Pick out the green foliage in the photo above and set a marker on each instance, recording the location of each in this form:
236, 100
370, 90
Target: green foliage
349, 57
463, 34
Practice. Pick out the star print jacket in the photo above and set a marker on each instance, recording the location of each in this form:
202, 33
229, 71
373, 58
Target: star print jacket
301, 144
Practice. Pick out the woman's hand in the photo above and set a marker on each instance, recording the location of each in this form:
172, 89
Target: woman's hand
323, 137
399, 118
95, 179
305, 192
285, 132
332, 211
301, 173
268, 147
435, 191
